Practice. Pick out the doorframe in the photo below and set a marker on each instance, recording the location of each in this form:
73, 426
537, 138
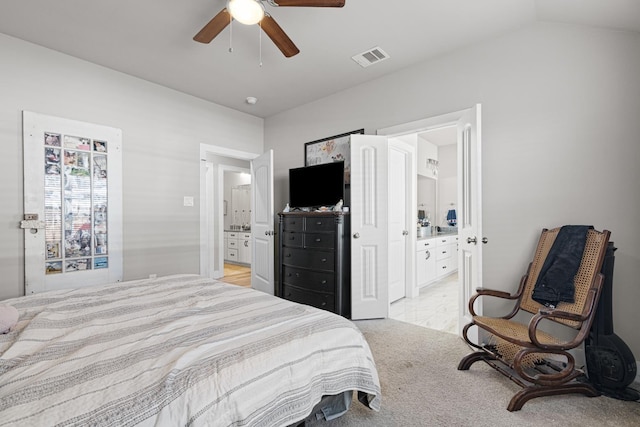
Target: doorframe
418, 126
211, 197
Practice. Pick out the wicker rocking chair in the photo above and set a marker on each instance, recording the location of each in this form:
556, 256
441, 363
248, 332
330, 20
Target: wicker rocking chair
535, 359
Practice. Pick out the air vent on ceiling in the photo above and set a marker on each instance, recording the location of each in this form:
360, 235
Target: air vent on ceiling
370, 57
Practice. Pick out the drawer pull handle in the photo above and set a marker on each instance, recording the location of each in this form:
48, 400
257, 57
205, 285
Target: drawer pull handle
323, 304
324, 260
318, 239
292, 238
288, 255
319, 223
297, 274
324, 282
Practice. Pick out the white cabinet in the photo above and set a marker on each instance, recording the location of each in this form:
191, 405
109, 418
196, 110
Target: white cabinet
447, 255
244, 248
425, 261
436, 257
237, 247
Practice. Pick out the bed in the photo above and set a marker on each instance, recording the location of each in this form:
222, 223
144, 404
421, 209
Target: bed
177, 350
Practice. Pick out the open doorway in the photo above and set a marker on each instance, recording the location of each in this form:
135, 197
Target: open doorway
450, 249
236, 224
436, 305
214, 163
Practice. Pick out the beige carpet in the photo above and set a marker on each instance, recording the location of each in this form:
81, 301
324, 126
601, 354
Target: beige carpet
422, 387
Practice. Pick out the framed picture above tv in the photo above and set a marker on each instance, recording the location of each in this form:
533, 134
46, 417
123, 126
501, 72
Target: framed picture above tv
332, 149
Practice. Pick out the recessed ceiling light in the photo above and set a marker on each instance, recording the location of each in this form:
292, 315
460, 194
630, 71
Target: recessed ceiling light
251, 100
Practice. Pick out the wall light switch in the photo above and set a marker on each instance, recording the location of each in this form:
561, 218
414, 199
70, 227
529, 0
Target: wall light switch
188, 200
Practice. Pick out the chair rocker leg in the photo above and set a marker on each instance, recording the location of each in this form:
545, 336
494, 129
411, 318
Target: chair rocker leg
531, 392
472, 358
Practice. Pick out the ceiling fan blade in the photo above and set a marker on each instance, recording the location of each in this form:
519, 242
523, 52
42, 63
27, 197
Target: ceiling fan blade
278, 36
311, 3
213, 28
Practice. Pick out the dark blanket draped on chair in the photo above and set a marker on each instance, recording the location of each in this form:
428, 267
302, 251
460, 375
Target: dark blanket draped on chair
555, 282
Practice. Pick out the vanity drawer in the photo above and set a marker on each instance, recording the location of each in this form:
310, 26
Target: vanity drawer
443, 267
314, 260
443, 252
314, 299
425, 244
320, 224
231, 254
319, 240
308, 279
445, 240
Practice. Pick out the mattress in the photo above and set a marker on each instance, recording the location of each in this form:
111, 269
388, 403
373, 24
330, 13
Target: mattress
176, 350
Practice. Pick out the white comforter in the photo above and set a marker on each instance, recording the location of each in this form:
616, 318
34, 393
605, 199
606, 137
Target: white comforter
177, 350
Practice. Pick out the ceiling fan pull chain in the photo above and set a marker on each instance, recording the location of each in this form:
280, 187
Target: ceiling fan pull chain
260, 40
230, 33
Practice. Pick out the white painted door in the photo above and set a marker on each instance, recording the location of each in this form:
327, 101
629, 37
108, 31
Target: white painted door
470, 211
369, 227
262, 223
73, 192
401, 265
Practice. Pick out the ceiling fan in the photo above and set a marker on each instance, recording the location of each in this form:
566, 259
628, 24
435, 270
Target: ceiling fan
252, 12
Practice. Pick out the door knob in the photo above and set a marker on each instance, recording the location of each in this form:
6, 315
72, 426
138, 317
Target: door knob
356, 235
405, 232
472, 240
485, 240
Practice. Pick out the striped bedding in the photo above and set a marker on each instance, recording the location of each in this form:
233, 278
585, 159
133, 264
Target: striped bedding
172, 351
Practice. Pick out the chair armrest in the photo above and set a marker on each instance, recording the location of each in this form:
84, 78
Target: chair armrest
549, 313
481, 292
495, 293
586, 317
500, 294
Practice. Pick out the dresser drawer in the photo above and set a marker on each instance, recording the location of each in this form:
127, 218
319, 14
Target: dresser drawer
308, 279
292, 239
319, 240
320, 224
314, 299
314, 260
293, 224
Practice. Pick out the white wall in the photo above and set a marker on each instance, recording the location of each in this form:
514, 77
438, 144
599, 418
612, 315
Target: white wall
162, 130
561, 109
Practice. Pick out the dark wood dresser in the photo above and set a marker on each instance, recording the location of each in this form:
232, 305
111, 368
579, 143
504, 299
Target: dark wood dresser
315, 260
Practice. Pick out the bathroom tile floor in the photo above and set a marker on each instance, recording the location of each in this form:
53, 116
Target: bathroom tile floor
436, 307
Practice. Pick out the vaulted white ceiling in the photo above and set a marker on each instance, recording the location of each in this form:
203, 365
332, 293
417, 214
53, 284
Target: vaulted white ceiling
152, 39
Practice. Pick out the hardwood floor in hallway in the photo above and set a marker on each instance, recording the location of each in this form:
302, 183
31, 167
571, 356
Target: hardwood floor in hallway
237, 275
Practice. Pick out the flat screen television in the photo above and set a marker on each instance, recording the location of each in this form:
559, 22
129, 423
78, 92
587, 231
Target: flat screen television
315, 186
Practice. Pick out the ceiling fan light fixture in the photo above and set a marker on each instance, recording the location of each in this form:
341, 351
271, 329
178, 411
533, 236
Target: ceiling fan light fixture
248, 12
